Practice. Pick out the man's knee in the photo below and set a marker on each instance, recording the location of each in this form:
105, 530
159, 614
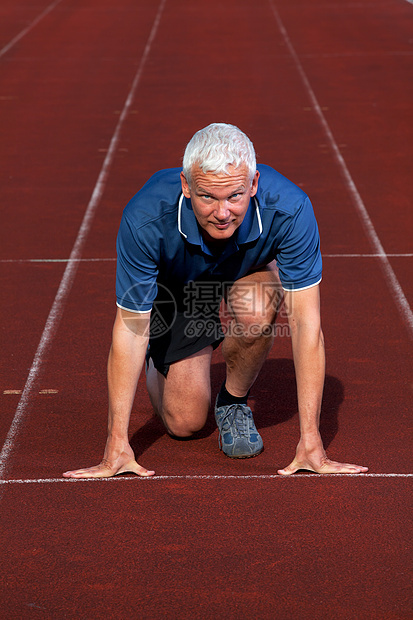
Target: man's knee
186, 421
251, 328
255, 317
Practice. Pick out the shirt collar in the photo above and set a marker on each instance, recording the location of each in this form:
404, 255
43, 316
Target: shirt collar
250, 229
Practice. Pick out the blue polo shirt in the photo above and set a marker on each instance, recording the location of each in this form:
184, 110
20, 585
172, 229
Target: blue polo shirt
159, 241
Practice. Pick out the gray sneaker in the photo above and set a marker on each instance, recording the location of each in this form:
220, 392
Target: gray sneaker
238, 436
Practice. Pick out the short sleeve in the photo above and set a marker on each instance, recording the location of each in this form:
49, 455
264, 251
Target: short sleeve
298, 253
137, 269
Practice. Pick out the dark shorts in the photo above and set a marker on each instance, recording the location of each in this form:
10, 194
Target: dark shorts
187, 322
176, 334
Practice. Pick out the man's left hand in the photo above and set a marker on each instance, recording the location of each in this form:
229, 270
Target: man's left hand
316, 460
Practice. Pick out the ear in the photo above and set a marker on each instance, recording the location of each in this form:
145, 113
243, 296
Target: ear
254, 185
185, 186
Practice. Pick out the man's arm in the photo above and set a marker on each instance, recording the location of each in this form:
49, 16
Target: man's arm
126, 359
303, 308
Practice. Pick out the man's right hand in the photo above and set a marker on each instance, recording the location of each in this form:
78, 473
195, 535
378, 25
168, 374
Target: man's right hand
126, 359
111, 466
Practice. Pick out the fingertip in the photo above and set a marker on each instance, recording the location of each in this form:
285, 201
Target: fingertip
284, 472
143, 473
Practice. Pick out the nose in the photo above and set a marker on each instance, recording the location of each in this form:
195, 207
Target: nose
222, 211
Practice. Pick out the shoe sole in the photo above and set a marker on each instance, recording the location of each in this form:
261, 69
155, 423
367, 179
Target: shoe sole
247, 456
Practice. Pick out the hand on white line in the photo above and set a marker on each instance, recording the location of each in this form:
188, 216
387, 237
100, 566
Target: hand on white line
111, 466
316, 460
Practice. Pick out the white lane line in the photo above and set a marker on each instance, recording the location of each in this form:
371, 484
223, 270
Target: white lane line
98, 260
408, 255
72, 265
201, 477
375, 54
391, 279
34, 23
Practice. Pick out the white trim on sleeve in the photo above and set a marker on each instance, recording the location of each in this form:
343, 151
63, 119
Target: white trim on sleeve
292, 290
134, 311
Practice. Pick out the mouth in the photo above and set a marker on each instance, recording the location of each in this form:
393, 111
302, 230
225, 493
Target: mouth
221, 226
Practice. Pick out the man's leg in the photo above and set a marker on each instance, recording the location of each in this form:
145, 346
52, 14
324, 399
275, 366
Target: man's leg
182, 399
252, 305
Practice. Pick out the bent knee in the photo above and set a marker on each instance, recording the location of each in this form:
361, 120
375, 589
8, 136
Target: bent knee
251, 329
184, 424
182, 428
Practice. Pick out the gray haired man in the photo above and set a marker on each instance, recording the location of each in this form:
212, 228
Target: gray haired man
220, 237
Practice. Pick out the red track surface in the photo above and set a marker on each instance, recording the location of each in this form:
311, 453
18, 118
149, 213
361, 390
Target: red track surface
229, 547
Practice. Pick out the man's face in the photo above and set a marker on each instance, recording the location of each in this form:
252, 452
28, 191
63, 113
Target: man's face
220, 201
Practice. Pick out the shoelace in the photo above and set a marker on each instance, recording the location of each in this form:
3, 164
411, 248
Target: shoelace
240, 422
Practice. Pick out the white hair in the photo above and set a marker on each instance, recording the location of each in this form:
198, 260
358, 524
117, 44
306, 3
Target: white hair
216, 147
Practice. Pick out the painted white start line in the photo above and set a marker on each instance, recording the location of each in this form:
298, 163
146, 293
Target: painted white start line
201, 477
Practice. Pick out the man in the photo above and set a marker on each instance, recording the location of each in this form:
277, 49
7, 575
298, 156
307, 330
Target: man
196, 245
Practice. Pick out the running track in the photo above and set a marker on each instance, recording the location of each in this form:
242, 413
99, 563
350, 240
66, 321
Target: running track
94, 97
